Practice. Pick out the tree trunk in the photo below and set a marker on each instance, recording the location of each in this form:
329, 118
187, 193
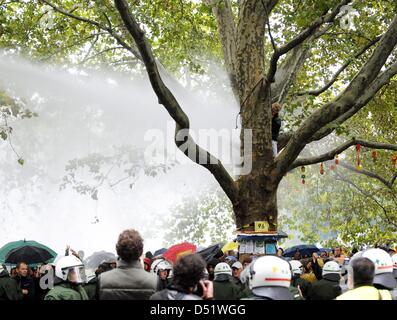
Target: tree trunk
257, 197
257, 201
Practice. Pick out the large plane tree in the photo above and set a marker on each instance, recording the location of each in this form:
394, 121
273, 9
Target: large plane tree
273, 51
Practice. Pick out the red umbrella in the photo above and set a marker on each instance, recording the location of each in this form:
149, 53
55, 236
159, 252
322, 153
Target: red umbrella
179, 250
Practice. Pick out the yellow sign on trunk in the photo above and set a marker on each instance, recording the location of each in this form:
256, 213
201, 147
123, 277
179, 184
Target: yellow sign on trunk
261, 226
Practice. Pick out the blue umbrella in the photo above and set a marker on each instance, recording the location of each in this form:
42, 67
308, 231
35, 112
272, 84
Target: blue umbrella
159, 252
304, 249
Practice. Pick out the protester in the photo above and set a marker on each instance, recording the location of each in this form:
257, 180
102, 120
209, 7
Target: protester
276, 126
188, 276
70, 275
24, 281
316, 264
280, 252
9, 290
129, 281
147, 262
13, 273
211, 267
299, 287
237, 267
308, 273
361, 274
246, 262
297, 255
328, 287
339, 256
230, 260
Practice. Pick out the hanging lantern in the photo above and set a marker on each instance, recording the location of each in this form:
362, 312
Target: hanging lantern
337, 159
375, 155
358, 149
394, 161
303, 176
322, 168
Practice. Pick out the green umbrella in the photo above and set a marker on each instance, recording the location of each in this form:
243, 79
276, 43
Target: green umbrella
21, 243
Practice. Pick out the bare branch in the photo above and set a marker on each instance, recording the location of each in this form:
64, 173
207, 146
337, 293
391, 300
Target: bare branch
382, 80
288, 70
227, 35
319, 91
332, 153
166, 98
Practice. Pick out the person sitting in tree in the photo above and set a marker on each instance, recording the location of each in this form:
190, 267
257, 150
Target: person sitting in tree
276, 126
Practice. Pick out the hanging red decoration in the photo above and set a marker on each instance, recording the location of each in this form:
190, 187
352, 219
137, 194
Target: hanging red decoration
394, 161
332, 167
303, 176
321, 168
375, 155
337, 159
358, 149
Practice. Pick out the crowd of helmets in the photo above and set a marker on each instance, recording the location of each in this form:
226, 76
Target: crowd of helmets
365, 275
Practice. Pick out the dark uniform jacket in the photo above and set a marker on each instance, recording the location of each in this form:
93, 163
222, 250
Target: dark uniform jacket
324, 289
9, 289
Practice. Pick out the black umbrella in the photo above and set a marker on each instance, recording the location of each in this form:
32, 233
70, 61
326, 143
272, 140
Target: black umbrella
214, 251
304, 249
94, 260
28, 254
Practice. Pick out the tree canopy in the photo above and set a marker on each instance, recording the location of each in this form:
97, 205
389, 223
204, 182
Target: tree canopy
330, 79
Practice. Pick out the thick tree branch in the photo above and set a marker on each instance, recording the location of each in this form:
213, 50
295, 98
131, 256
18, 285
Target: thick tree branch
382, 80
222, 10
332, 153
353, 97
301, 37
286, 73
166, 98
319, 91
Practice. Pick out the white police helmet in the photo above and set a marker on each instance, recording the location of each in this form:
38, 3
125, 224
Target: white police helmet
270, 277
383, 267
296, 267
70, 268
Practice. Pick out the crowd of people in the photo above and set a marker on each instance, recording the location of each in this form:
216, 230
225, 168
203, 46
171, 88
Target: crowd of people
360, 275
